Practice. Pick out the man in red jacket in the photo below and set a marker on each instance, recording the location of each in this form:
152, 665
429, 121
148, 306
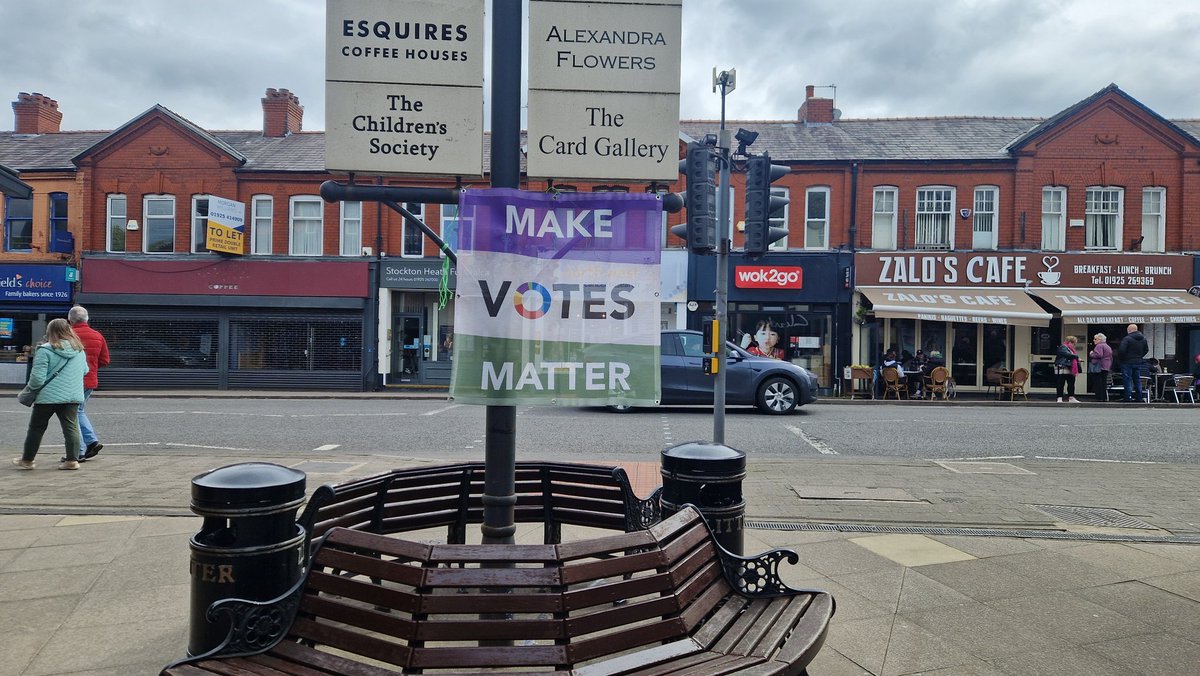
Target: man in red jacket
96, 349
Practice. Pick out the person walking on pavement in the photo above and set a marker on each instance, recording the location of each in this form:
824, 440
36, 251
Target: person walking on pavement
57, 374
1066, 367
96, 349
1131, 353
1099, 364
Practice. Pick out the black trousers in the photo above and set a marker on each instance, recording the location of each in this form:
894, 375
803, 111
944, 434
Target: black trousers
1098, 385
1066, 380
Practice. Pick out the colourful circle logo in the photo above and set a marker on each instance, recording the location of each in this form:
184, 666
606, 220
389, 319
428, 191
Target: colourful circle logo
519, 300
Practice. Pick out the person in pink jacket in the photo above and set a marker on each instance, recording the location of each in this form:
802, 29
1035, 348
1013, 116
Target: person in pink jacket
1100, 360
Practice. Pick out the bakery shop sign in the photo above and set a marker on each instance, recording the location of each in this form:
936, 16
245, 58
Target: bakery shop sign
1035, 270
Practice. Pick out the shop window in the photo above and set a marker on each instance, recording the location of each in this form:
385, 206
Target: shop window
801, 336
158, 228
59, 227
351, 229
117, 222
200, 224
262, 207
153, 343
413, 240
984, 224
883, 219
18, 224
1102, 217
1054, 219
816, 218
307, 225
313, 344
450, 226
935, 218
1154, 219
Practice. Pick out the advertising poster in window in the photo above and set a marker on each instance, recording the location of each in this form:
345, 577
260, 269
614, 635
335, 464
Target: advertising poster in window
557, 299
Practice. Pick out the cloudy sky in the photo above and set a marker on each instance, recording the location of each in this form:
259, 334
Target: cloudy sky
106, 61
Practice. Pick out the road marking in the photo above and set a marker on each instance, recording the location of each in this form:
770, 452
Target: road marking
218, 448
442, 410
821, 446
326, 447
1126, 462
986, 457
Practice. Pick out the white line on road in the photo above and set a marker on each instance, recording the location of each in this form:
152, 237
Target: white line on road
986, 457
821, 446
1127, 462
218, 448
442, 410
326, 447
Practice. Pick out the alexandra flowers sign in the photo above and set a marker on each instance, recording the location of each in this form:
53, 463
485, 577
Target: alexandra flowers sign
557, 299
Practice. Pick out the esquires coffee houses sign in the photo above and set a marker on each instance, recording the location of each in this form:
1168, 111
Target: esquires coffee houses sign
1027, 270
404, 86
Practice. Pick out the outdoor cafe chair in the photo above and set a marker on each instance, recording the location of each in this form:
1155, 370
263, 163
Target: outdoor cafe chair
938, 381
892, 383
1016, 385
1183, 385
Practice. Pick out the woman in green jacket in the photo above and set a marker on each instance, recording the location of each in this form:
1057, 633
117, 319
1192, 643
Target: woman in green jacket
58, 369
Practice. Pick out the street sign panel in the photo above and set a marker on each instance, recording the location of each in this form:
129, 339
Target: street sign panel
604, 89
404, 86
603, 135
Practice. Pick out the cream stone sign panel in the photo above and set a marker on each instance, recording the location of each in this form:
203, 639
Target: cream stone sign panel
404, 86
604, 89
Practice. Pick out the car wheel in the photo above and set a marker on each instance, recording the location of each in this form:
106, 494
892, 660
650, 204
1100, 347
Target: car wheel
777, 396
620, 408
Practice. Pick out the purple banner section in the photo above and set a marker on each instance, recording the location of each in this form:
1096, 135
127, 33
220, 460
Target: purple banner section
615, 227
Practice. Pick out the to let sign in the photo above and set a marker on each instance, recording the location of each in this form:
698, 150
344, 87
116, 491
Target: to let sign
604, 89
404, 86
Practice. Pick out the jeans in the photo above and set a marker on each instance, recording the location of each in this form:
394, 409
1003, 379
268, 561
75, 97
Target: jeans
38, 420
85, 425
1132, 375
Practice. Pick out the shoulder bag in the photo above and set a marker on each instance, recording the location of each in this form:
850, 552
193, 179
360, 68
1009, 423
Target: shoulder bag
29, 395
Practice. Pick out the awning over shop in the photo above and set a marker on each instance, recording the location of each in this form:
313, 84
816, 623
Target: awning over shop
979, 305
1122, 306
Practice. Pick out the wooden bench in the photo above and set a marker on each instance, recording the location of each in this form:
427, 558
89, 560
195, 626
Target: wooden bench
648, 602
415, 498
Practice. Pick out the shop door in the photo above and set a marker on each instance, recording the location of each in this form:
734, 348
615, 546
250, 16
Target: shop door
964, 355
406, 347
1043, 343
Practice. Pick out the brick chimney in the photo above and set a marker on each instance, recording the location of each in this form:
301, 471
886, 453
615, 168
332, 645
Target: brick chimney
36, 114
815, 110
282, 113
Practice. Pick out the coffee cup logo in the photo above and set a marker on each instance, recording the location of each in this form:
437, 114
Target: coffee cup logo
1049, 277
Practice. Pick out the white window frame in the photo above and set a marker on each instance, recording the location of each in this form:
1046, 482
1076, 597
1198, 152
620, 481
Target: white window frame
935, 205
878, 215
821, 220
115, 220
407, 231
151, 221
350, 229
448, 213
199, 225
1102, 203
1054, 217
261, 227
320, 223
1154, 222
986, 218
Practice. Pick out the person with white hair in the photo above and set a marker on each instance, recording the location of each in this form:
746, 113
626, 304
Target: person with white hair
96, 349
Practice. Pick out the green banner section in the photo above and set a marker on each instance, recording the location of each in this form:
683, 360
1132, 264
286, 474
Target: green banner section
504, 371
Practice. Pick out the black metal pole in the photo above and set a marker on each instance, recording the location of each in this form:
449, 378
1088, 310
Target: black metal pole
500, 443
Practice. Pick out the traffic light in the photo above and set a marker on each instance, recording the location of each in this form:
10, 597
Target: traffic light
700, 199
761, 205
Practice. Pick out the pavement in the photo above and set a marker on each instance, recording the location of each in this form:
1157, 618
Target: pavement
974, 567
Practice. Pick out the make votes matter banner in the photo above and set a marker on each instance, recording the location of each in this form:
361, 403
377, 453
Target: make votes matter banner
557, 299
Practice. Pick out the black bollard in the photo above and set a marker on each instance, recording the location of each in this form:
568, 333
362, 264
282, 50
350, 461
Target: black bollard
249, 547
709, 476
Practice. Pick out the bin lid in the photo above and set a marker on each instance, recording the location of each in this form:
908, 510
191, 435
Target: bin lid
704, 457
247, 484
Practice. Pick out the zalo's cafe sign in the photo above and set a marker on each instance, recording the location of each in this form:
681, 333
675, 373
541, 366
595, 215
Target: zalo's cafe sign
557, 299
226, 225
1035, 270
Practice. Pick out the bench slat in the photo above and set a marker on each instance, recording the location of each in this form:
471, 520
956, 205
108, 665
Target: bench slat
773, 635
491, 656
620, 640
638, 661
269, 665
349, 640
325, 663
807, 637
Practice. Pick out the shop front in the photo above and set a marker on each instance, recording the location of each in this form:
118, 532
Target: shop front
792, 306
992, 311
416, 321
222, 323
30, 296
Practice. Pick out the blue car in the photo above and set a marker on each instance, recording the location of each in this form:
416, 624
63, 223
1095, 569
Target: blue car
776, 387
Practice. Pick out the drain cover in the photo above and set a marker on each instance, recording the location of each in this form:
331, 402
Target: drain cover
1092, 516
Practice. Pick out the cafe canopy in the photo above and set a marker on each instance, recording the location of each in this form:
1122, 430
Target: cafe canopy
979, 305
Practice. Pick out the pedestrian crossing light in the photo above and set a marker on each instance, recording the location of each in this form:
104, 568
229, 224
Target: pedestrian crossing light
761, 205
699, 168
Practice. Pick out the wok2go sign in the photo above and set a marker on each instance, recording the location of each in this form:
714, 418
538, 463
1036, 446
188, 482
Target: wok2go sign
557, 299
768, 277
